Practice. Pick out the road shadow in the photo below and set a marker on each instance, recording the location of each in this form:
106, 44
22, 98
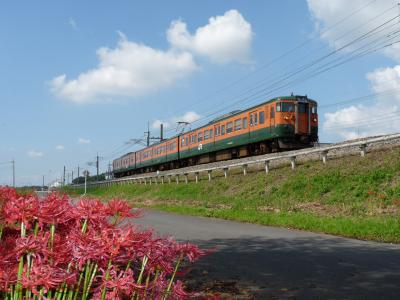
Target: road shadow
302, 268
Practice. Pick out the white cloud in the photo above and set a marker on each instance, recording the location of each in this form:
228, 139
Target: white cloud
133, 69
34, 153
73, 24
60, 147
84, 141
327, 13
189, 117
384, 79
129, 70
224, 39
382, 115
379, 118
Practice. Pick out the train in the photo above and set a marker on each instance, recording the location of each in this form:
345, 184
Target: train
279, 124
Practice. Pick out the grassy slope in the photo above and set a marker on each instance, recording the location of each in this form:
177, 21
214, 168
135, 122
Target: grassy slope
351, 196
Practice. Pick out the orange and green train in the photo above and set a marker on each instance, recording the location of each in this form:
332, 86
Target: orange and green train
282, 123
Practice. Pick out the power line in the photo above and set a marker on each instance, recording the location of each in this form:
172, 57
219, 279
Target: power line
280, 57
287, 75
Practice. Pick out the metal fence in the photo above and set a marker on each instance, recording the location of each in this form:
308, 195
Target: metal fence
290, 157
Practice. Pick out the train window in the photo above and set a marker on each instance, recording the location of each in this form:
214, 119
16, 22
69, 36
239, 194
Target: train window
278, 107
255, 119
287, 107
261, 117
238, 124
217, 130
314, 109
272, 115
187, 141
244, 123
200, 137
211, 133
251, 120
193, 139
183, 142
222, 129
206, 135
229, 127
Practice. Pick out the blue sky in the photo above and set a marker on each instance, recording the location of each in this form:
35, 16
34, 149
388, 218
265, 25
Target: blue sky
80, 78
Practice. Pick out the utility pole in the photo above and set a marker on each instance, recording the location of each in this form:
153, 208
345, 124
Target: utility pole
97, 167
13, 168
109, 170
72, 176
63, 180
78, 171
148, 134
43, 183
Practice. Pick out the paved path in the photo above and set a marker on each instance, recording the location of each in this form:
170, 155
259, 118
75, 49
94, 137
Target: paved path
286, 264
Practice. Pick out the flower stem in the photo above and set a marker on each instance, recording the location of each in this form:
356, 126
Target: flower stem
173, 277
103, 292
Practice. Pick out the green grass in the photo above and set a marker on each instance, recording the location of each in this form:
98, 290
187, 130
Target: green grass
351, 196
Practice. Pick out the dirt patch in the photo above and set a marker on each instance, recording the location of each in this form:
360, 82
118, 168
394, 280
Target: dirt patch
320, 209
220, 289
268, 209
175, 202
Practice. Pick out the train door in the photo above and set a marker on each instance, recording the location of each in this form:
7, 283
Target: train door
272, 118
302, 118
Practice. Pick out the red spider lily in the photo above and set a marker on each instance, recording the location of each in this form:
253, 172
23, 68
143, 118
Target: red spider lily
21, 210
179, 291
92, 210
120, 283
77, 249
42, 275
36, 246
55, 209
119, 210
192, 252
7, 193
87, 247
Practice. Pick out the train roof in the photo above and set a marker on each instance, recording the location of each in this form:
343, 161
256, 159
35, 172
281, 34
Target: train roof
231, 114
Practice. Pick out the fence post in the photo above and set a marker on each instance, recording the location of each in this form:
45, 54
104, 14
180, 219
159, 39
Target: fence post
162, 179
266, 165
226, 172
186, 177
244, 170
196, 175
177, 179
363, 149
324, 156
169, 178
293, 162
209, 175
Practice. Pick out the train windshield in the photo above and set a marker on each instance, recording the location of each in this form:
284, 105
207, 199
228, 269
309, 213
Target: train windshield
287, 107
302, 107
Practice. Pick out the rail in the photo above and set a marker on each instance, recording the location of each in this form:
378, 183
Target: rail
291, 157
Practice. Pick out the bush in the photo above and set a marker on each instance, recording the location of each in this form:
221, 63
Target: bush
53, 249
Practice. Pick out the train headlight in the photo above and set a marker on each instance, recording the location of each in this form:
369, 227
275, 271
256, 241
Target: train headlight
315, 119
286, 118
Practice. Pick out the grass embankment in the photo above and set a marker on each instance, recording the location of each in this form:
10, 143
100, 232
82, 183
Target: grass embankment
351, 196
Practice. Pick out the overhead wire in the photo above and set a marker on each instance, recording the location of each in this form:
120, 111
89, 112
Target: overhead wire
280, 82
285, 54
307, 66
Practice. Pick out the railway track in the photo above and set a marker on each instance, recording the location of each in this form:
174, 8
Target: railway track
268, 161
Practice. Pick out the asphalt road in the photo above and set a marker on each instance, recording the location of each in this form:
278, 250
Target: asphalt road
277, 263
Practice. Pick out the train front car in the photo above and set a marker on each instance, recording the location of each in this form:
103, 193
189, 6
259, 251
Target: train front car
296, 122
